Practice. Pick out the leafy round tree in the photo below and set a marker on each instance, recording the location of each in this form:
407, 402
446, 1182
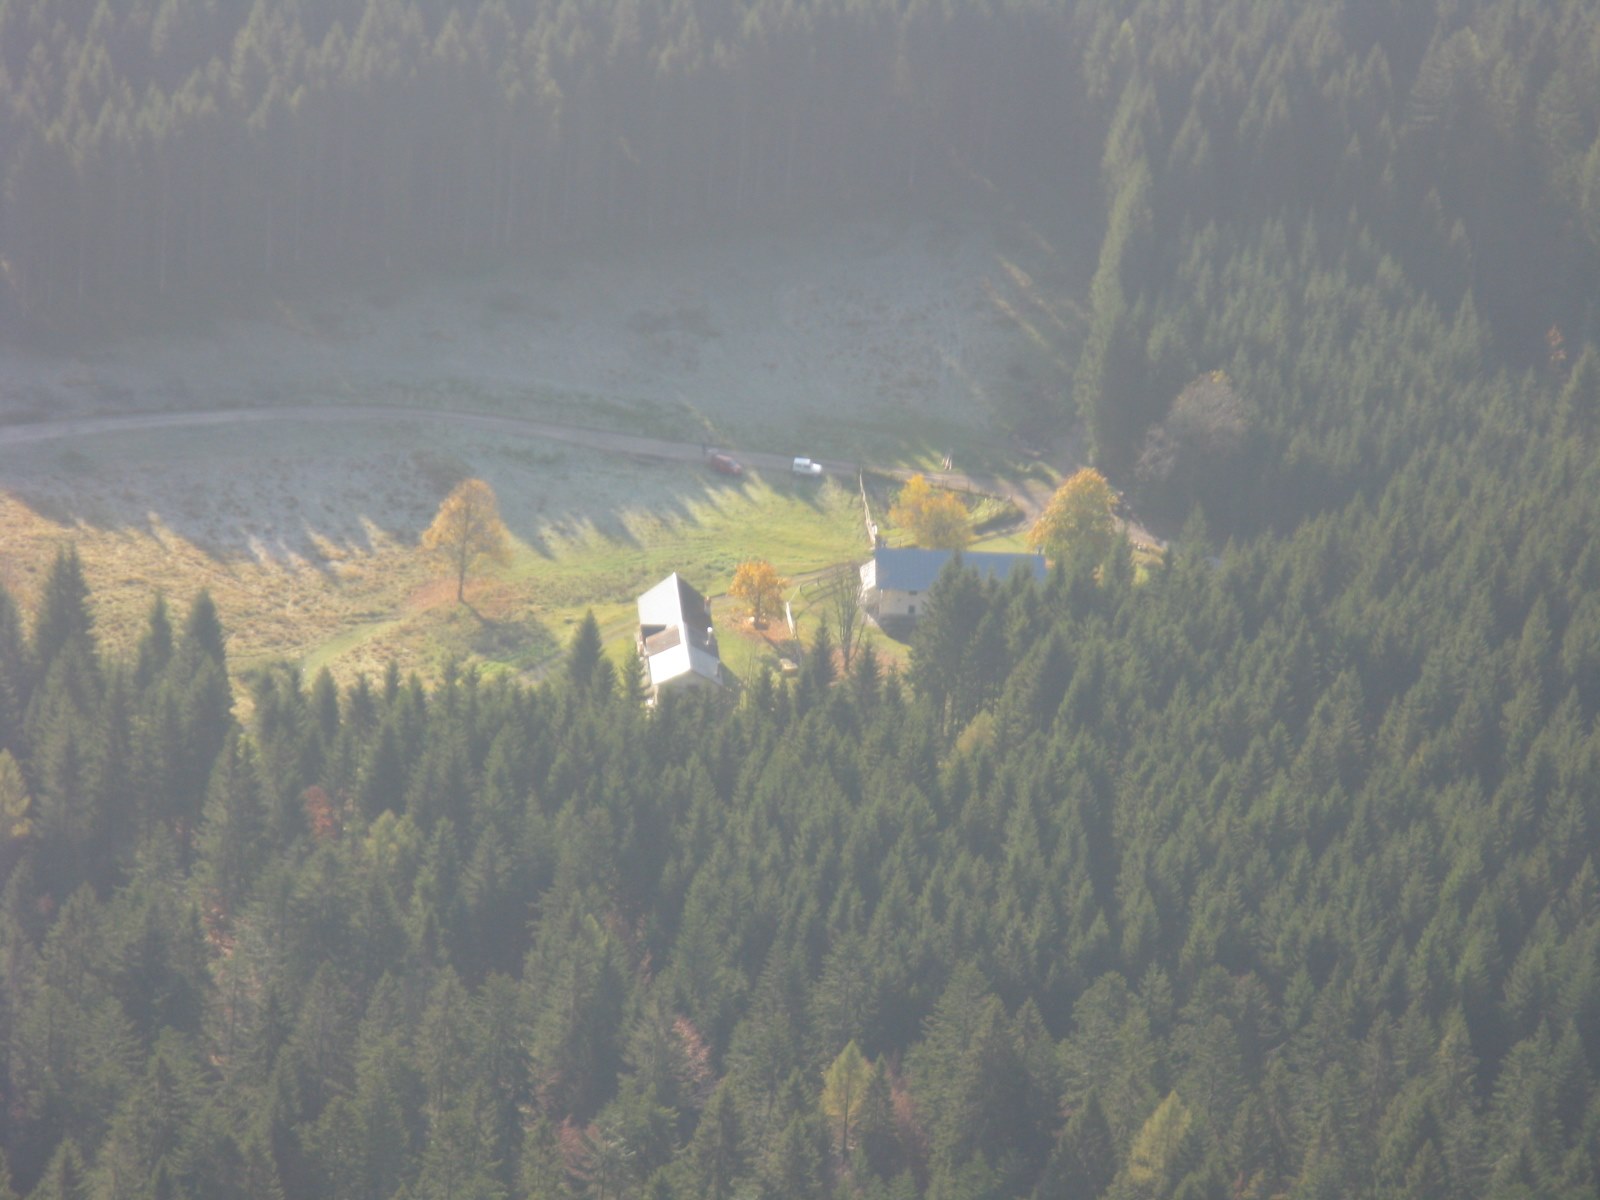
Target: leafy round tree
1077, 517
936, 518
466, 528
759, 587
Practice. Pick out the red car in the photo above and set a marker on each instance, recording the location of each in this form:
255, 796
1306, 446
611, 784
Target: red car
724, 464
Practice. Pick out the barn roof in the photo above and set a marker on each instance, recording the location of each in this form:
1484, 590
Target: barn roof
911, 569
675, 632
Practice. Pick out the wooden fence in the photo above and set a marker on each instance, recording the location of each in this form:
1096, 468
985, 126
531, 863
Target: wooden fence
866, 509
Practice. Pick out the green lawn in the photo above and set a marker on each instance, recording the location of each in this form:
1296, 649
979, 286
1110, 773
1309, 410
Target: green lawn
368, 596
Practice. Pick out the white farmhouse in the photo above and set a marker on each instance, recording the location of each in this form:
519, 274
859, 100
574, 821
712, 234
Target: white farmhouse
895, 582
676, 640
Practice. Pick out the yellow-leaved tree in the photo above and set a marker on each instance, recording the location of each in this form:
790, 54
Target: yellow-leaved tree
1164, 1151
936, 518
759, 587
468, 527
1077, 517
15, 804
844, 1088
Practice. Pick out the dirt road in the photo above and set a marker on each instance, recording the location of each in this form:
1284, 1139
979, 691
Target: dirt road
1029, 495
606, 440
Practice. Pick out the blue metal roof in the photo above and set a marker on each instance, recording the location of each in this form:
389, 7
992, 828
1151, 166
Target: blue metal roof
913, 570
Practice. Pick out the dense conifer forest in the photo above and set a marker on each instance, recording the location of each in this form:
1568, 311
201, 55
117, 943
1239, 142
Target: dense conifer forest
170, 153
1271, 874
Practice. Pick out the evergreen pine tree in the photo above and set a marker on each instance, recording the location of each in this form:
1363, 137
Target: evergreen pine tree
585, 653
155, 647
865, 676
63, 618
382, 784
876, 1136
636, 678
1085, 1158
202, 628
231, 845
818, 672
714, 1159
324, 706
16, 678
65, 1177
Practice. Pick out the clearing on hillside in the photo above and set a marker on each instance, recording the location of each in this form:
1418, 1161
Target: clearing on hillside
890, 341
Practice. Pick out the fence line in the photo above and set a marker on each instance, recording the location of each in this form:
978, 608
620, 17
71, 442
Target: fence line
866, 508
952, 482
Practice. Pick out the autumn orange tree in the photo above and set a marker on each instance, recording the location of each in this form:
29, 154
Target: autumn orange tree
466, 528
937, 519
758, 586
1077, 517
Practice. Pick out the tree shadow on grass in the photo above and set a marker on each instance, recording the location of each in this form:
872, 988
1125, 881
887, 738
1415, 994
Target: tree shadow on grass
233, 508
492, 625
523, 639
307, 500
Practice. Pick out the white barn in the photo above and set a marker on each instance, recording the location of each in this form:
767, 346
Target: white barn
676, 640
895, 582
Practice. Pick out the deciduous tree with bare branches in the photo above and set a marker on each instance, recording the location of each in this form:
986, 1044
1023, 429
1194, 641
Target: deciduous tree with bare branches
841, 593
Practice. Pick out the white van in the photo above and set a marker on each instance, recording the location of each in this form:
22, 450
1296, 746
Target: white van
804, 466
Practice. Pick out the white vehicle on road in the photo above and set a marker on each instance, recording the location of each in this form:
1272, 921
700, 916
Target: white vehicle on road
804, 466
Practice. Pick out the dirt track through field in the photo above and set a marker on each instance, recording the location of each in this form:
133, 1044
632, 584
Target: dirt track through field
605, 440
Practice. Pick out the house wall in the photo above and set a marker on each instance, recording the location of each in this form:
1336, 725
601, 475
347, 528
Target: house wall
688, 681
895, 603
681, 665
886, 602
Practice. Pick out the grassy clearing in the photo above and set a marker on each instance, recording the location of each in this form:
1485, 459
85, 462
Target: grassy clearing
798, 528
272, 610
329, 576
305, 536
355, 611
1014, 541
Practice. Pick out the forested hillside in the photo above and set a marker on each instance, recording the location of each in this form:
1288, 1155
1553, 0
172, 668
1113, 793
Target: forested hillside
1269, 877
160, 153
1271, 874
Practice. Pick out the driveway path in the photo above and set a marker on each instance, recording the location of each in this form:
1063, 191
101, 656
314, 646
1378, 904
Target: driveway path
1029, 496
610, 441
